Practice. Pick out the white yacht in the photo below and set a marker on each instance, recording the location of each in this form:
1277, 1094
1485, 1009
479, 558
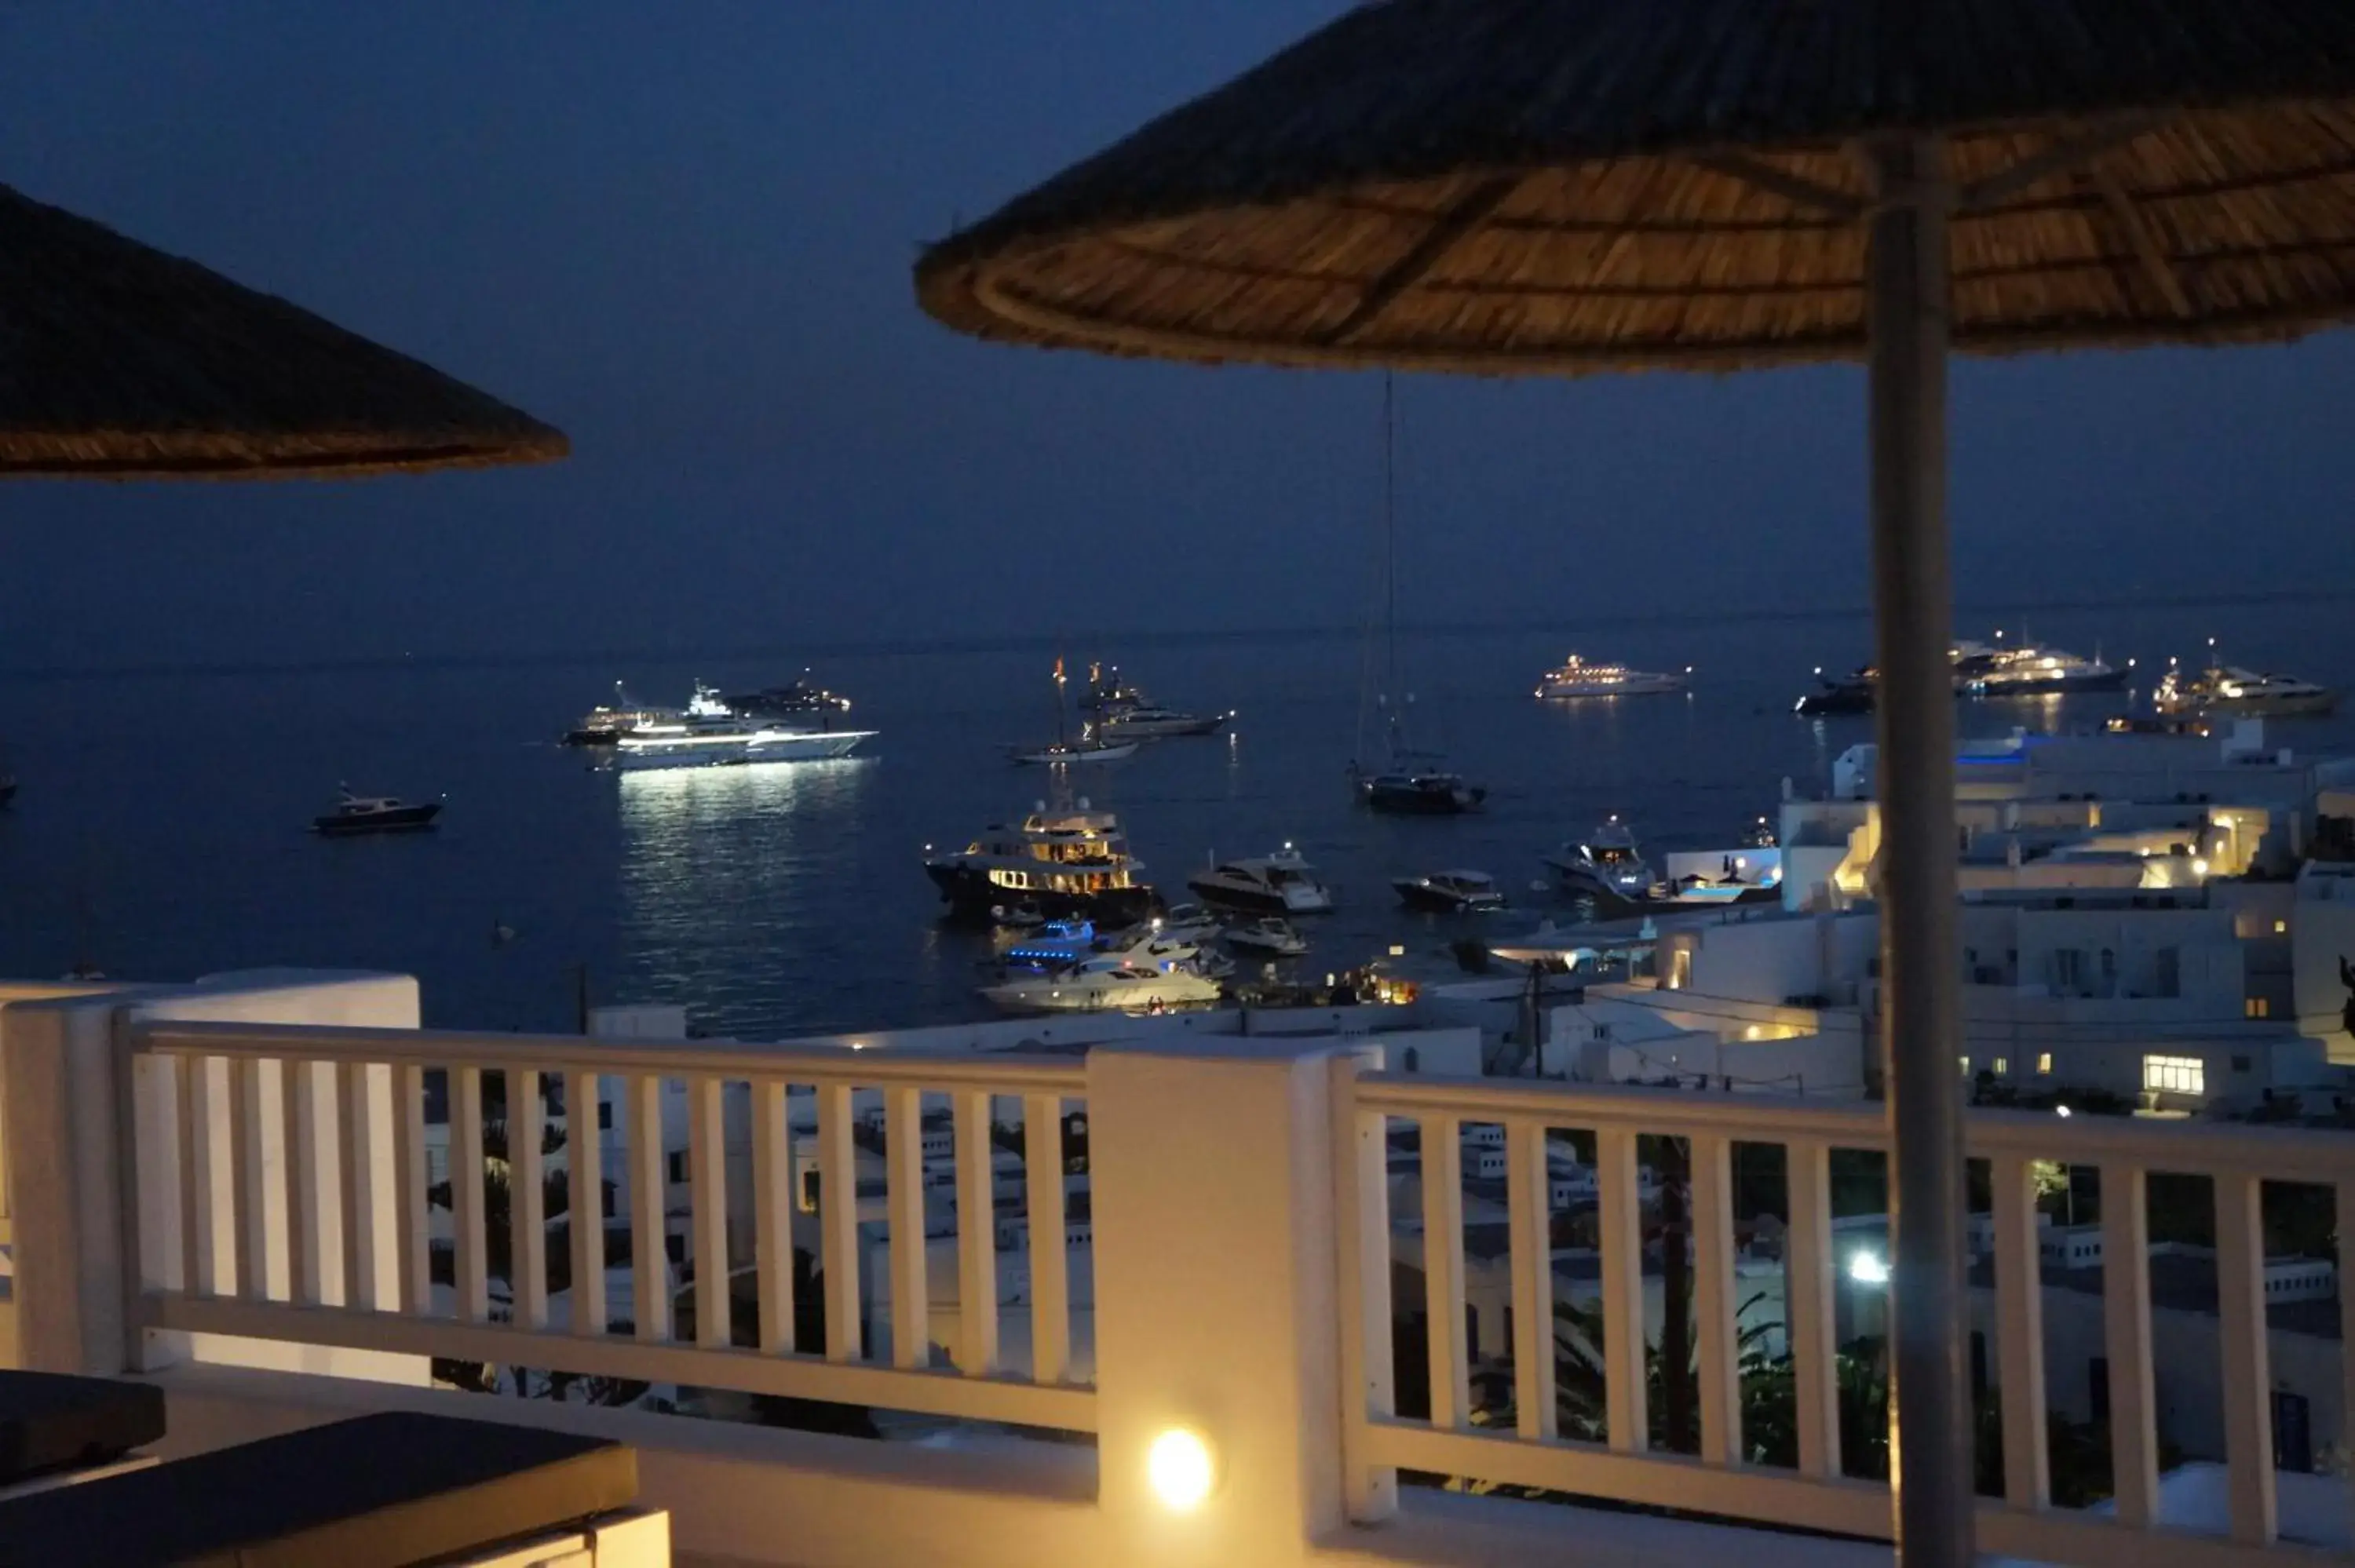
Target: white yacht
1106, 983
1449, 892
2034, 672
1123, 711
2229, 689
1186, 923
1271, 934
1278, 884
1578, 678
608, 722
710, 733
1071, 862
1605, 861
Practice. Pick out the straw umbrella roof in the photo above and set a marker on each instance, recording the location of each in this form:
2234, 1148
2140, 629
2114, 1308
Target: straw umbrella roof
1531, 186
118, 361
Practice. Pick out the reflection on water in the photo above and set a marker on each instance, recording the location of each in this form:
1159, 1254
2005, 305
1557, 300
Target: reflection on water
732, 881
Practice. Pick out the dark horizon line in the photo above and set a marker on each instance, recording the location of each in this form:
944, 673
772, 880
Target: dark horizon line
1041, 641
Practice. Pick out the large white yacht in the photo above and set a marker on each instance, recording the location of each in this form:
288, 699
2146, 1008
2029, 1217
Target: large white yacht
2229, 689
710, 733
1578, 678
1107, 983
1066, 863
1278, 884
2035, 672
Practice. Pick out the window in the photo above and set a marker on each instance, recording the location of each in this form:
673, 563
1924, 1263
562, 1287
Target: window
1413, 1059
2171, 971
2175, 1075
2044, 1063
1471, 1332
1966, 1061
604, 1116
2293, 1432
675, 1163
2281, 927
2003, 1067
2068, 969
2097, 1386
2258, 1006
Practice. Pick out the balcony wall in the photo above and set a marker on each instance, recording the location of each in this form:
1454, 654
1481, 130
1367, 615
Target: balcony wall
200, 1173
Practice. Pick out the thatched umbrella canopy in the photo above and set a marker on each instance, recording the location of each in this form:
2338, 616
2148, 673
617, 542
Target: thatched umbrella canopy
1560, 186
120, 362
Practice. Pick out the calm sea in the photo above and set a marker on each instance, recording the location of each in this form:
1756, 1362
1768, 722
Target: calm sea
161, 832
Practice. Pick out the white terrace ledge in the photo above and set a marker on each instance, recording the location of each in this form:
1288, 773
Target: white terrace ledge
167, 1186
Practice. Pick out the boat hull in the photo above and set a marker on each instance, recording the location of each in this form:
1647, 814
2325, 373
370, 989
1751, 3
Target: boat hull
2107, 680
406, 820
2302, 704
813, 746
1418, 896
1415, 798
1570, 691
1255, 901
1162, 729
1076, 756
971, 896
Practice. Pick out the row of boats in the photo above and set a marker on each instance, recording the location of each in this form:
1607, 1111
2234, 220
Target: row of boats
1993, 670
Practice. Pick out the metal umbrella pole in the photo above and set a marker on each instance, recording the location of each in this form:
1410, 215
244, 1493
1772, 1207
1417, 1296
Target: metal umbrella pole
1909, 318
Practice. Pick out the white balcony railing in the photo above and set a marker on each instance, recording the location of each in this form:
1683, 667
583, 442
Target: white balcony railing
267, 1182
1814, 1494
285, 1248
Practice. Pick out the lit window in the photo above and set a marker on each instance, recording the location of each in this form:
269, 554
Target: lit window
1967, 1065
2259, 1007
2281, 927
2044, 1063
2175, 1075
2003, 1067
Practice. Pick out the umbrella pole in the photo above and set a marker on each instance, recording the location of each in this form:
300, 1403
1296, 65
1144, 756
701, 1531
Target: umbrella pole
1930, 1440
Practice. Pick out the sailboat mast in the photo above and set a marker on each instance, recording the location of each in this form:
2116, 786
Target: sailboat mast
1389, 538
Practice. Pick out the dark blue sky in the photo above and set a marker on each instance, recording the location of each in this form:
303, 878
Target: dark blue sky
683, 233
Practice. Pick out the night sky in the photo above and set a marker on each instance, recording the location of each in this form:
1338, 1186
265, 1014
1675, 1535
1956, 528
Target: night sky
684, 234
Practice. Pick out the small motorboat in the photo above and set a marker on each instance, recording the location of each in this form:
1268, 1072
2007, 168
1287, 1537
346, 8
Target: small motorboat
1186, 923
376, 814
1419, 793
1270, 933
1278, 884
1068, 754
1605, 862
1852, 695
1109, 984
1449, 892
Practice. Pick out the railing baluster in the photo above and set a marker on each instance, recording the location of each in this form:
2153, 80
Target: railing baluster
649, 1233
772, 1215
2248, 1376
187, 1075
1361, 1212
354, 1187
1715, 1310
837, 1222
1442, 1269
250, 1182
299, 1169
470, 1241
706, 1171
1529, 1201
526, 1198
409, 1168
904, 1168
1808, 1262
1624, 1392
2126, 1311
1050, 1298
584, 1200
976, 1235
2344, 1224
2019, 1331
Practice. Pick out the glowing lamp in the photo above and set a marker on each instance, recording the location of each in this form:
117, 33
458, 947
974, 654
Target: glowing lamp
1868, 1268
1181, 1470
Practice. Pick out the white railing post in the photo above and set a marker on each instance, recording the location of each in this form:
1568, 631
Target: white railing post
772, 1215
1050, 1298
2019, 1331
2247, 1357
838, 1224
1443, 1270
65, 1158
706, 1171
2126, 1310
1528, 1206
1716, 1312
1626, 1394
1216, 1296
903, 1174
649, 1211
527, 1200
1361, 1228
1808, 1267
584, 1200
976, 1189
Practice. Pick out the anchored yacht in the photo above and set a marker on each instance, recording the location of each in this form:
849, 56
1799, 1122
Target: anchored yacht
1063, 864
1107, 983
2229, 689
1578, 678
1605, 861
1278, 884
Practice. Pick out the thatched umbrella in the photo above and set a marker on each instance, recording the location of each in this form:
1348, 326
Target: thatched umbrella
1560, 186
120, 362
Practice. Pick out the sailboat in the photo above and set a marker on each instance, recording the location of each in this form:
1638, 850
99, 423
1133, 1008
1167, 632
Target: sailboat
1405, 781
1066, 752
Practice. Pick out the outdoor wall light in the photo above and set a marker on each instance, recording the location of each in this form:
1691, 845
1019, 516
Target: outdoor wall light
1180, 1467
1868, 1268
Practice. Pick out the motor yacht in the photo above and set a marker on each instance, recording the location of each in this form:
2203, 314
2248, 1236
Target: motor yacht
1838, 695
1578, 678
1414, 786
1105, 983
1278, 884
608, 722
705, 745
1271, 934
1449, 892
1186, 923
1123, 711
356, 814
1088, 748
2038, 671
1605, 861
1062, 863
2229, 689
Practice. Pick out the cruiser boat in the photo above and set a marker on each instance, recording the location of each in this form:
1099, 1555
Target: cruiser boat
356, 814
1105, 983
1278, 884
800, 703
1186, 923
1405, 789
1838, 695
2229, 689
1071, 753
1123, 711
1604, 863
1063, 864
1271, 934
1578, 678
1449, 892
608, 722
711, 733
2034, 672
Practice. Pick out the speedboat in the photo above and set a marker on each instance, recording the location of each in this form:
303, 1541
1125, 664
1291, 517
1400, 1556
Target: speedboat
1150, 721
1270, 934
1407, 790
1605, 862
1065, 863
1577, 678
1449, 892
2035, 672
1105, 983
1278, 884
375, 814
1071, 753
1838, 695
1052, 944
1186, 923
2229, 689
